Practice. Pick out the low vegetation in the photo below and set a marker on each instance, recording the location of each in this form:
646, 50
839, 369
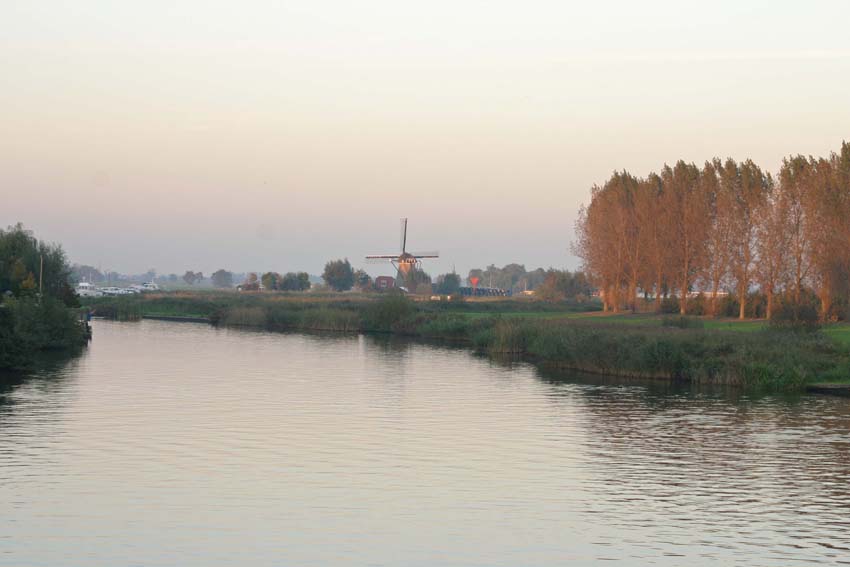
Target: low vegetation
37, 303
566, 335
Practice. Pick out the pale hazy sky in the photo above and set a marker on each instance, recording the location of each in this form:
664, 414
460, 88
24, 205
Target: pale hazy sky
276, 135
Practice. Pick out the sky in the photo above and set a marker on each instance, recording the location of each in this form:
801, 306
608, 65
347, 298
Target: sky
200, 135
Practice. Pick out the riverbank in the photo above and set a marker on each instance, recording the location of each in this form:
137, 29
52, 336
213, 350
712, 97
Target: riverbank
551, 335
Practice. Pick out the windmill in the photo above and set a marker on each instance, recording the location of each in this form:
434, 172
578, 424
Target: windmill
405, 262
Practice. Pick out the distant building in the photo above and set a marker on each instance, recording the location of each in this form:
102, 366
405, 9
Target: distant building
384, 282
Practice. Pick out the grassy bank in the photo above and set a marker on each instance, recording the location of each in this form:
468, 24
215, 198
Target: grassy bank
556, 335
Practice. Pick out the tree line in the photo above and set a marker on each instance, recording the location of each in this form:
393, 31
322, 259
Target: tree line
777, 243
550, 284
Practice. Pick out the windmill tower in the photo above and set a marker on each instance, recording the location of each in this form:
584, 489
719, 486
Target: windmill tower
404, 262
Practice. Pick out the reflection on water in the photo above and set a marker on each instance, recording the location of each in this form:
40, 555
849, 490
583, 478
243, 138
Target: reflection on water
180, 444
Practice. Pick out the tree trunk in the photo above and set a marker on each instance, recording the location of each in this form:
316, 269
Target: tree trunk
825, 302
658, 284
715, 285
606, 303
615, 297
769, 294
742, 300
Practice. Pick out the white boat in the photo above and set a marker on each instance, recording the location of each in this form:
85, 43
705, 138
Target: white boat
85, 289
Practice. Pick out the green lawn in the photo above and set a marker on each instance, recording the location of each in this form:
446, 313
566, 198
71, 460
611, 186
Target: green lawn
521, 314
840, 333
727, 325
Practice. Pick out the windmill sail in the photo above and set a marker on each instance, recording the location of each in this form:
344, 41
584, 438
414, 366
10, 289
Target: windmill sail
429, 254
403, 234
404, 261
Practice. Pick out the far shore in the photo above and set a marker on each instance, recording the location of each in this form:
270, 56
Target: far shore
565, 335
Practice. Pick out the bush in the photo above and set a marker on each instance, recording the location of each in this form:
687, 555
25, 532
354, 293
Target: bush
696, 306
670, 305
728, 306
802, 317
29, 325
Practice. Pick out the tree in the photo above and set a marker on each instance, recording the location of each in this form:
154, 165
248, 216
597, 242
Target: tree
339, 275
773, 242
362, 280
222, 278
654, 236
688, 204
251, 283
750, 189
295, 282
303, 281
448, 284
28, 264
415, 280
609, 239
560, 285
271, 280
191, 277
719, 234
794, 190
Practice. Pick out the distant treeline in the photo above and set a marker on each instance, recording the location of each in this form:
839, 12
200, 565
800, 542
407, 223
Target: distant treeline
779, 242
547, 284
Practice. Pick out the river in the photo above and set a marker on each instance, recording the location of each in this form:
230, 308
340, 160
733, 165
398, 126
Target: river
182, 444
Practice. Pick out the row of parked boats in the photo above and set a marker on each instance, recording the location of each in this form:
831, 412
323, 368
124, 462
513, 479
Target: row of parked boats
86, 289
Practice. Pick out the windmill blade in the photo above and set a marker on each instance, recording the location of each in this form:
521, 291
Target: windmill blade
380, 259
431, 254
381, 256
403, 234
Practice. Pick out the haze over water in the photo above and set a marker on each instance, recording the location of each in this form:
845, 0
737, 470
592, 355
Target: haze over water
182, 444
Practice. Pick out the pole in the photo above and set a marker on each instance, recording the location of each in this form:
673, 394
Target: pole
41, 275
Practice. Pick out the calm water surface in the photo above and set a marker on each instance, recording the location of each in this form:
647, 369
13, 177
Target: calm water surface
179, 444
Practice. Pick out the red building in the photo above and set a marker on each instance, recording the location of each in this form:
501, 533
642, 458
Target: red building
384, 282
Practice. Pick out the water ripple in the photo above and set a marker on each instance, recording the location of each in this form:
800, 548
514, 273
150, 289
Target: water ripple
182, 444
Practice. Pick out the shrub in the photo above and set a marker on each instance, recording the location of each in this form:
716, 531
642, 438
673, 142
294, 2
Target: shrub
728, 306
802, 317
670, 305
29, 325
696, 305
